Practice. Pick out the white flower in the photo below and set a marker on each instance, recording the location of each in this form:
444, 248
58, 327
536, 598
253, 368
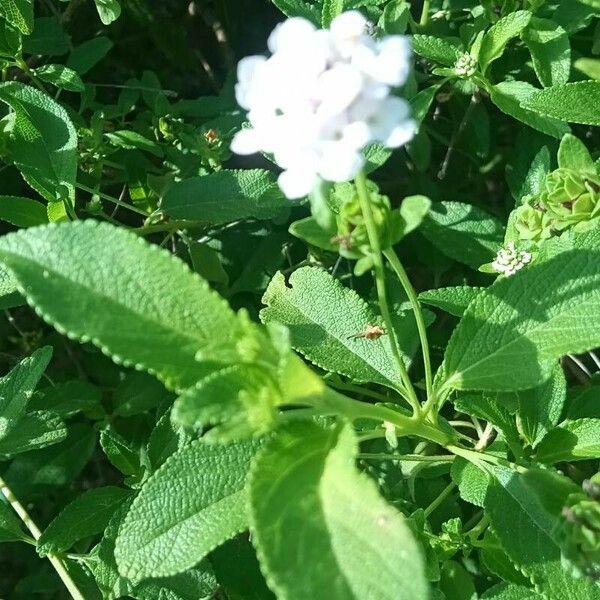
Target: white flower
321, 98
509, 260
466, 65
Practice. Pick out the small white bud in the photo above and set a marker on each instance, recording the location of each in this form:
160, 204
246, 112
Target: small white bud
509, 260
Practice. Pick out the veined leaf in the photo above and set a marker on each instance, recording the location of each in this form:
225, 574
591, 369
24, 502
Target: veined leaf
338, 527
298, 8
61, 76
87, 515
44, 142
550, 50
517, 505
463, 232
195, 583
573, 154
577, 102
513, 331
510, 591
225, 196
33, 431
22, 212
497, 37
18, 13
18, 386
108, 10
193, 503
573, 440
139, 304
514, 99
331, 9
453, 300
436, 49
325, 337
10, 526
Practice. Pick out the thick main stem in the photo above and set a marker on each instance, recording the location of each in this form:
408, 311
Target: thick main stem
58, 565
406, 425
391, 255
365, 205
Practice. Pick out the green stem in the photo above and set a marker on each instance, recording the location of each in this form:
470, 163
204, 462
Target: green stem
112, 199
168, 226
425, 13
440, 499
58, 565
25, 68
365, 205
409, 457
334, 403
394, 260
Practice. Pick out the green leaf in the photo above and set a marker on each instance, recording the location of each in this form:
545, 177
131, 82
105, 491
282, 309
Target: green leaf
137, 303
510, 591
456, 582
192, 585
463, 232
241, 397
108, 10
298, 8
527, 178
453, 300
550, 50
225, 196
526, 528
589, 67
138, 393
68, 398
87, 515
498, 35
472, 482
421, 102
10, 526
492, 410
395, 17
513, 98
436, 49
35, 473
22, 212
88, 54
193, 503
48, 37
513, 331
60, 76
573, 154
540, 407
132, 140
325, 337
32, 431
18, 386
166, 439
331, 9
352, 543
577, 102
18, 13
44, 142
572, 440
122, 454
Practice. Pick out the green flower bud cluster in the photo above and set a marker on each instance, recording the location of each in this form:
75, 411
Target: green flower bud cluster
352, 238
568, 197
580, 531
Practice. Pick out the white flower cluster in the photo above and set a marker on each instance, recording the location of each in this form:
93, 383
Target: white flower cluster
509, 260
466, 65
321, 98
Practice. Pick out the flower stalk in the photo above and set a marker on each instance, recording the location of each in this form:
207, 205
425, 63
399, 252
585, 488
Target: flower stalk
378, 269
56, 562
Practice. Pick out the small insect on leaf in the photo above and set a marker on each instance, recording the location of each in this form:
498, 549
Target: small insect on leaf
371, 332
